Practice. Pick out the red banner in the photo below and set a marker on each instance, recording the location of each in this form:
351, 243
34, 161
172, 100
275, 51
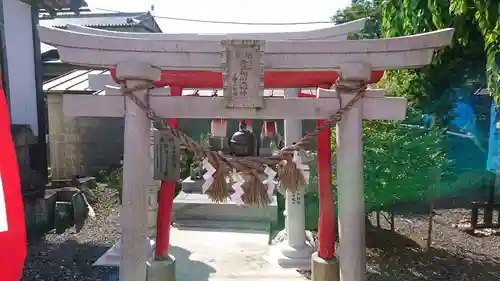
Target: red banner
12, 224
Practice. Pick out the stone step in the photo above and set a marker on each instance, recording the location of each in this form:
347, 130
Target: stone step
195, 186
217, 224
192, 206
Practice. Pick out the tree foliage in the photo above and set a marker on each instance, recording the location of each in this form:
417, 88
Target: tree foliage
400, 158
400, 163
472, 62
362, 9
473, 57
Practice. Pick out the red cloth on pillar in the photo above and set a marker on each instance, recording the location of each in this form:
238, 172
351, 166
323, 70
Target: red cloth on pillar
12, 224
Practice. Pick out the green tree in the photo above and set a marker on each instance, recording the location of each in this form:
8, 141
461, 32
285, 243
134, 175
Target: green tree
362, 9
400, 162
400, 157
473, 56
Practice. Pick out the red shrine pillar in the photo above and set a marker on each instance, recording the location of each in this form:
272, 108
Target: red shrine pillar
326, 220
165, 202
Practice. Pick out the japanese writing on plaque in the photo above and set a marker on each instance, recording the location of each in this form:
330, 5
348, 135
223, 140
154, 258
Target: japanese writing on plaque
242, 78
243, 73
296, 198
167, 156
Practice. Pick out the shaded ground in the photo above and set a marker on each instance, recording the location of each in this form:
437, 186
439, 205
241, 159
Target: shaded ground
69, 256
390, 256
455, 255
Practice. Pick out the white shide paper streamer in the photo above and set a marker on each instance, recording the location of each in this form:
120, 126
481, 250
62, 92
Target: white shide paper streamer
238, 190
208, 175
269, 181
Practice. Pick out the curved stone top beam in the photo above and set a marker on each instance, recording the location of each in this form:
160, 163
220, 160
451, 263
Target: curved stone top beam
337, 32
291, 55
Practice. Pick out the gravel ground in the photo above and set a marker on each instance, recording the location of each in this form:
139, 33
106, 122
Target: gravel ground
69, 256
390, 255
455, 255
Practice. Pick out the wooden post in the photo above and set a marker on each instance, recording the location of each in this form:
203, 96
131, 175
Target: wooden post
137, 172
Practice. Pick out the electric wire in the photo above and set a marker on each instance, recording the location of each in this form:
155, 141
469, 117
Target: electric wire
223, 22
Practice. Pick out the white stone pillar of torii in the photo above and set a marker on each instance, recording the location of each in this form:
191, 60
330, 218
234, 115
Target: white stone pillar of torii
295, 251
139, 61
351, 199
137, 174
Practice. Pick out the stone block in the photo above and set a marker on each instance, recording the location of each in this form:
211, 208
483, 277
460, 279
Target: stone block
324, 270
137, 71
63, 216
225, 224
355, 71
112, 256
41, 213
82, 145
66, 194
161, 270
25, 142
79, 210
50, 202
287, 256
194, 186
190, 206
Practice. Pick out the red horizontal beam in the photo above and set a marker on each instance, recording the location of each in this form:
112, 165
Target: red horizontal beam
213, 80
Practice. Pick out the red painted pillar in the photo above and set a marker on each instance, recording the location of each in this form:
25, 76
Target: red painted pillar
165, 203
326, 221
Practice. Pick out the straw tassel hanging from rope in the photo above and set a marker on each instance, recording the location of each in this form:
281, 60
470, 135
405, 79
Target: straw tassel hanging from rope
255, 192
293, 174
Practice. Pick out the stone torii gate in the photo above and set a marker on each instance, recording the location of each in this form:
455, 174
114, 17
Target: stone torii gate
139, 62
295, 251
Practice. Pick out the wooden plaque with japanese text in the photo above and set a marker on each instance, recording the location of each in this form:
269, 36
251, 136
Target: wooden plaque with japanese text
243, 73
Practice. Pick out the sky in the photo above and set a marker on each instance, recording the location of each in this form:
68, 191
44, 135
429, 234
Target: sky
230, 10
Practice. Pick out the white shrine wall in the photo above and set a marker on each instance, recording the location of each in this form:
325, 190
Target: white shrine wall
22, 87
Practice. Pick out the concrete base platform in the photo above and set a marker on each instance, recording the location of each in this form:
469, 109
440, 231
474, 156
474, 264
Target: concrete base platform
290, 258
324, 270
216, 224
225, 255
112, 256
161, 270
195, 186
198, 207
